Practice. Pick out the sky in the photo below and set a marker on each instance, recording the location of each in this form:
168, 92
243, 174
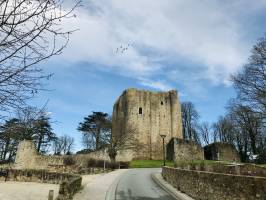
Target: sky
188, 45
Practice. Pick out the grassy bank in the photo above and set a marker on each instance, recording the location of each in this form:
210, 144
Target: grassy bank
263, 165
159, 163
198, 162
149, 163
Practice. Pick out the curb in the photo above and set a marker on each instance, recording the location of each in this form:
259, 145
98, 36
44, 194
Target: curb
111, 192
157, 178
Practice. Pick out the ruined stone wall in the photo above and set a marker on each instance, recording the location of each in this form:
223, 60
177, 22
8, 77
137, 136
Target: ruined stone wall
148, 114
202, 185
221, 151
124, 156
183, 150
27, 158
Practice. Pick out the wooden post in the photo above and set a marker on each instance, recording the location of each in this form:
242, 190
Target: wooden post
51, 195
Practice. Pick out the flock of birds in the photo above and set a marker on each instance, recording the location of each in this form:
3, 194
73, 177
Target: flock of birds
122, 49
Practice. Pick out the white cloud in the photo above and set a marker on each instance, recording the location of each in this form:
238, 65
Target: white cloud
209, 33
158, 85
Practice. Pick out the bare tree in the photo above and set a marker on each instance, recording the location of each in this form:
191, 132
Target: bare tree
248, 111
30, 32
249, 121
123, 141
205, 132
224, 129
250, 82
63, 145
88, 141
57, 146
190, 118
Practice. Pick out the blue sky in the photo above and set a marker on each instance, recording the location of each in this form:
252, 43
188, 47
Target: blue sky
188, 45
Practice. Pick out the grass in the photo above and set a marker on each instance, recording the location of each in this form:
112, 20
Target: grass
263, 165
199, 162
149, 163
159, 163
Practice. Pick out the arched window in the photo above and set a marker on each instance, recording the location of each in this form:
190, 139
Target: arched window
140, 110
161, 103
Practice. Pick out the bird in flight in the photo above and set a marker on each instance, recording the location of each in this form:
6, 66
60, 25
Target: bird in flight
122, 49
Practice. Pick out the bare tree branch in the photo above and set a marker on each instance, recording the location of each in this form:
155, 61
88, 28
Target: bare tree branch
31, 31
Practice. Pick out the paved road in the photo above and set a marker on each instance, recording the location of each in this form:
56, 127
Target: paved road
96, 186
137, 184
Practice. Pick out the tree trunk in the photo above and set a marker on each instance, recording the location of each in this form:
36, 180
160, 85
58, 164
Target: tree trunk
39, 144
98, 138
112, 154
6, 150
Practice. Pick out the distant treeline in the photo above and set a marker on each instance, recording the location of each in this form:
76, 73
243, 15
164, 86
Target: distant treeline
244, 123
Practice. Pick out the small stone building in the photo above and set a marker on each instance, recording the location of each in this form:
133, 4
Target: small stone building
221, 151
179, 149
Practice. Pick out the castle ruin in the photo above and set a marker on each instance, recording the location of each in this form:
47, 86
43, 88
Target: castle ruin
149, 114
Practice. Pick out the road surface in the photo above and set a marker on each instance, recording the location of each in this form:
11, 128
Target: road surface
137, 184
95, 187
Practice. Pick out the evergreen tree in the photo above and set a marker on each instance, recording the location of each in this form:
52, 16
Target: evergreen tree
97, 127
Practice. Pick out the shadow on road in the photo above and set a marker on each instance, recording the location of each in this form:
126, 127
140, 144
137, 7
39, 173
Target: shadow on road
128, 196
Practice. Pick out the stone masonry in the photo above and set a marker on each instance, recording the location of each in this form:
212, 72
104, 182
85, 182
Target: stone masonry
203, 185
28, 158
183, 150
26, 155
148, 114
221, 151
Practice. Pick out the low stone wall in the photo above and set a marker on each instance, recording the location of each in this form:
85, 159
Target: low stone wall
202, 185
68, 188
28, 158
39, 176
69, 183
252, 170
237, 169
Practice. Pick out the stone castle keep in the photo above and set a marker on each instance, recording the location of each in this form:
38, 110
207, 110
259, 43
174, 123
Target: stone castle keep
148, 114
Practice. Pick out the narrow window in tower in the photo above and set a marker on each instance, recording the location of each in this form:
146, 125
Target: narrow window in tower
140, 110
161, 103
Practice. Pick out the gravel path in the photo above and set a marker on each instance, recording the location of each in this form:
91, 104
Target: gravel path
26, 190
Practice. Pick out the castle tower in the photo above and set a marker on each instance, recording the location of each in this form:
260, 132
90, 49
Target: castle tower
148, 115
